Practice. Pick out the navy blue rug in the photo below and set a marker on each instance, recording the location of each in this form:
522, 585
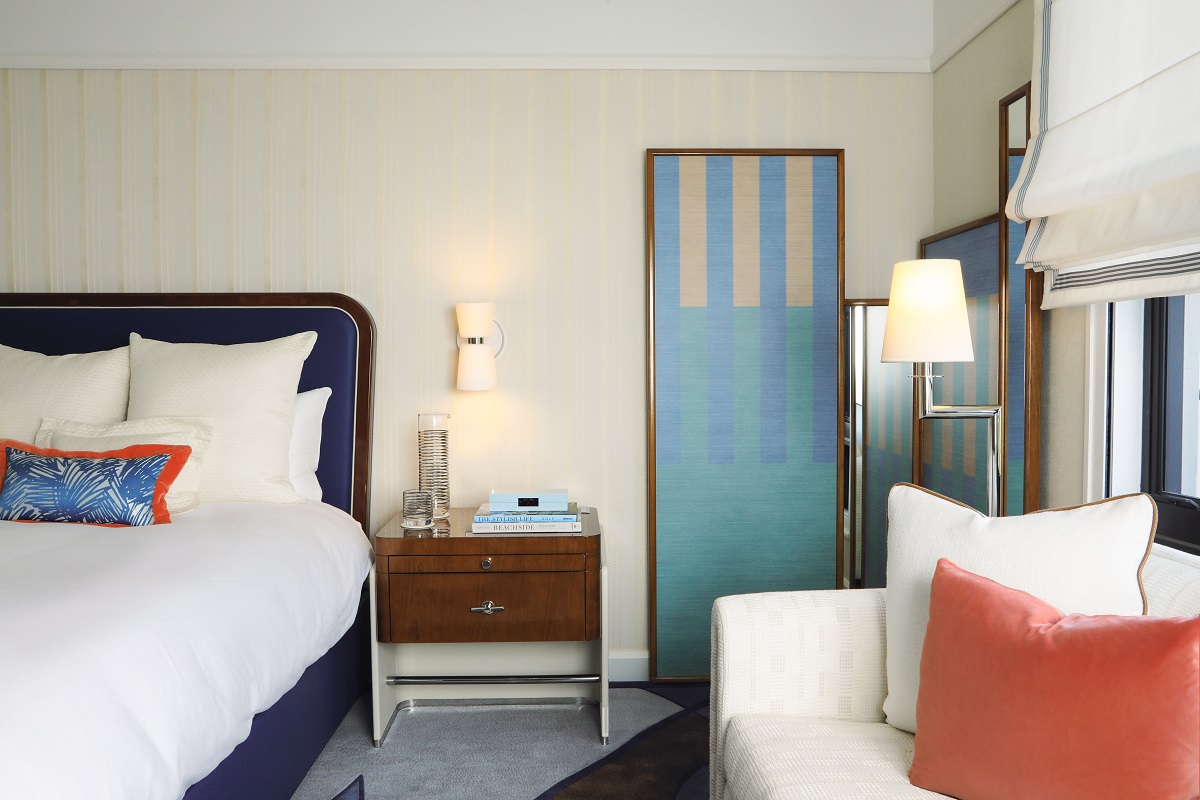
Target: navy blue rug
667, 761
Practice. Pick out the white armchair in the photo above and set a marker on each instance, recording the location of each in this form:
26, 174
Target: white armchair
799, 680
796, 711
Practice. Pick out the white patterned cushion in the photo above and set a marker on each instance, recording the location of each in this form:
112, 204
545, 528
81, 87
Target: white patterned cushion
1172, 581
304, 453
195, 432
790, 757
1083, 560
92, 387
249, 393
812, 654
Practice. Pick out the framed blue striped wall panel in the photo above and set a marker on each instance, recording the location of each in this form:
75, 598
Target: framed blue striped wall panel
953, 453
744, 259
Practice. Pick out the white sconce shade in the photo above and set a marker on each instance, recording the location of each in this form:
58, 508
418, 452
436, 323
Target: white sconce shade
476, 367
480, 341
927, 313
475, 319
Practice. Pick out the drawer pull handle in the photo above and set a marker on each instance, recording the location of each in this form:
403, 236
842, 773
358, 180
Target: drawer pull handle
488, 608
485, 564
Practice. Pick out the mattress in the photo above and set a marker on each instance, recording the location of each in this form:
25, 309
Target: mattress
132, 660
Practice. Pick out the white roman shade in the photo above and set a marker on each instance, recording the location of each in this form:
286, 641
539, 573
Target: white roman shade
1111, 179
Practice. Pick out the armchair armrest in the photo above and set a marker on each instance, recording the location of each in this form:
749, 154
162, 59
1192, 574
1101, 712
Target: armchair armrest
818, 654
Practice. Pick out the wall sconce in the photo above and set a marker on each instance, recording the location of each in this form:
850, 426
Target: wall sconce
927, 321
480, 342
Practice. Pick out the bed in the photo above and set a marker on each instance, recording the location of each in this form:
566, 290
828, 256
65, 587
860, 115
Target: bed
248, 734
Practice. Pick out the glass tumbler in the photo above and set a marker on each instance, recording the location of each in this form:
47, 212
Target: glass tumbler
417, 510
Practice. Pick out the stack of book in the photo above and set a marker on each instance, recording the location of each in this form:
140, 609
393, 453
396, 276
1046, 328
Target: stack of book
527, 512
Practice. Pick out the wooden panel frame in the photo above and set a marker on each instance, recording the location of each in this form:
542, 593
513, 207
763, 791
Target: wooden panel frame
1034, 285
1032, 352
652, 552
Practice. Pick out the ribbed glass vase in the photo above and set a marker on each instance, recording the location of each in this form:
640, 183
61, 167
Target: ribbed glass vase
433, 459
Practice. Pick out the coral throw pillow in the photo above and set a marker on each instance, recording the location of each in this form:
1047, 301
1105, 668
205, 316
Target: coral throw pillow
1017, 700
114, 488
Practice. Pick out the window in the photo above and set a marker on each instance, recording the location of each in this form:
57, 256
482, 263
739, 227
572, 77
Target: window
1154, 410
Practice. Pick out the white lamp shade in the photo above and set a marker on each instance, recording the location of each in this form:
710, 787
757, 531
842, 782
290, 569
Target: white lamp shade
927, 313
475, 320
476, 367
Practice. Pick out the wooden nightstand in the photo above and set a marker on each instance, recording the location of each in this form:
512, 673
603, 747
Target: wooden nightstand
528, 608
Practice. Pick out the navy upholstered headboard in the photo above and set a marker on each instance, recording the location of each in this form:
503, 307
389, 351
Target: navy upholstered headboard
342, 358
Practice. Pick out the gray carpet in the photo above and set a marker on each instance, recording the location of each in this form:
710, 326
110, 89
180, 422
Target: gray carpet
501, 752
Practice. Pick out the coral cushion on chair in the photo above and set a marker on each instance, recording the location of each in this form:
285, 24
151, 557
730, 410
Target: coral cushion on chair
1017, 700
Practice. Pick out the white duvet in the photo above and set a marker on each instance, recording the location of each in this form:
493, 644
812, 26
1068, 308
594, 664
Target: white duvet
133, 659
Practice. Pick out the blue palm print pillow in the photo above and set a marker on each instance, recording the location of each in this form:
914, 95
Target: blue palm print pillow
118, 487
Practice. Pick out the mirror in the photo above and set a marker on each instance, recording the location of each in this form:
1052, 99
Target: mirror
1004, 303
877, 419
877, 411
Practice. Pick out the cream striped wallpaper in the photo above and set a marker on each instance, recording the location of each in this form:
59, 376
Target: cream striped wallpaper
412, 190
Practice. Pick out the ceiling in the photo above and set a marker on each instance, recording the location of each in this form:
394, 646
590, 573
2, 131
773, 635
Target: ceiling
837, 35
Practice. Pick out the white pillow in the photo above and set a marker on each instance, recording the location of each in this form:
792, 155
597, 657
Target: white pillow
249, 392
304, 454
195, 432
1082, 560
93, 387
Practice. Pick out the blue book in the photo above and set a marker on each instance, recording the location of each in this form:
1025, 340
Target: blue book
485, 514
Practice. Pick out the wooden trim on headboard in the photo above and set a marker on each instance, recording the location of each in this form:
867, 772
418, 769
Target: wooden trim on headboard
364, 372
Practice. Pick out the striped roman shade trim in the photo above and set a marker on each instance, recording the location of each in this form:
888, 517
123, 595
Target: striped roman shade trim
1151, 268
1111, 182
1152, 277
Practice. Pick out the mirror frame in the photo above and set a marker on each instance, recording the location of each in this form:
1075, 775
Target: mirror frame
848, 550
1033, 316
1033, 357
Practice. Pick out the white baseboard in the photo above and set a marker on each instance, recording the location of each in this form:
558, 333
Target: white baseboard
628, 665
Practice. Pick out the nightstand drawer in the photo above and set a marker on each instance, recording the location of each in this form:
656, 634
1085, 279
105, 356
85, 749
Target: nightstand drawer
437, 607
569, 562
